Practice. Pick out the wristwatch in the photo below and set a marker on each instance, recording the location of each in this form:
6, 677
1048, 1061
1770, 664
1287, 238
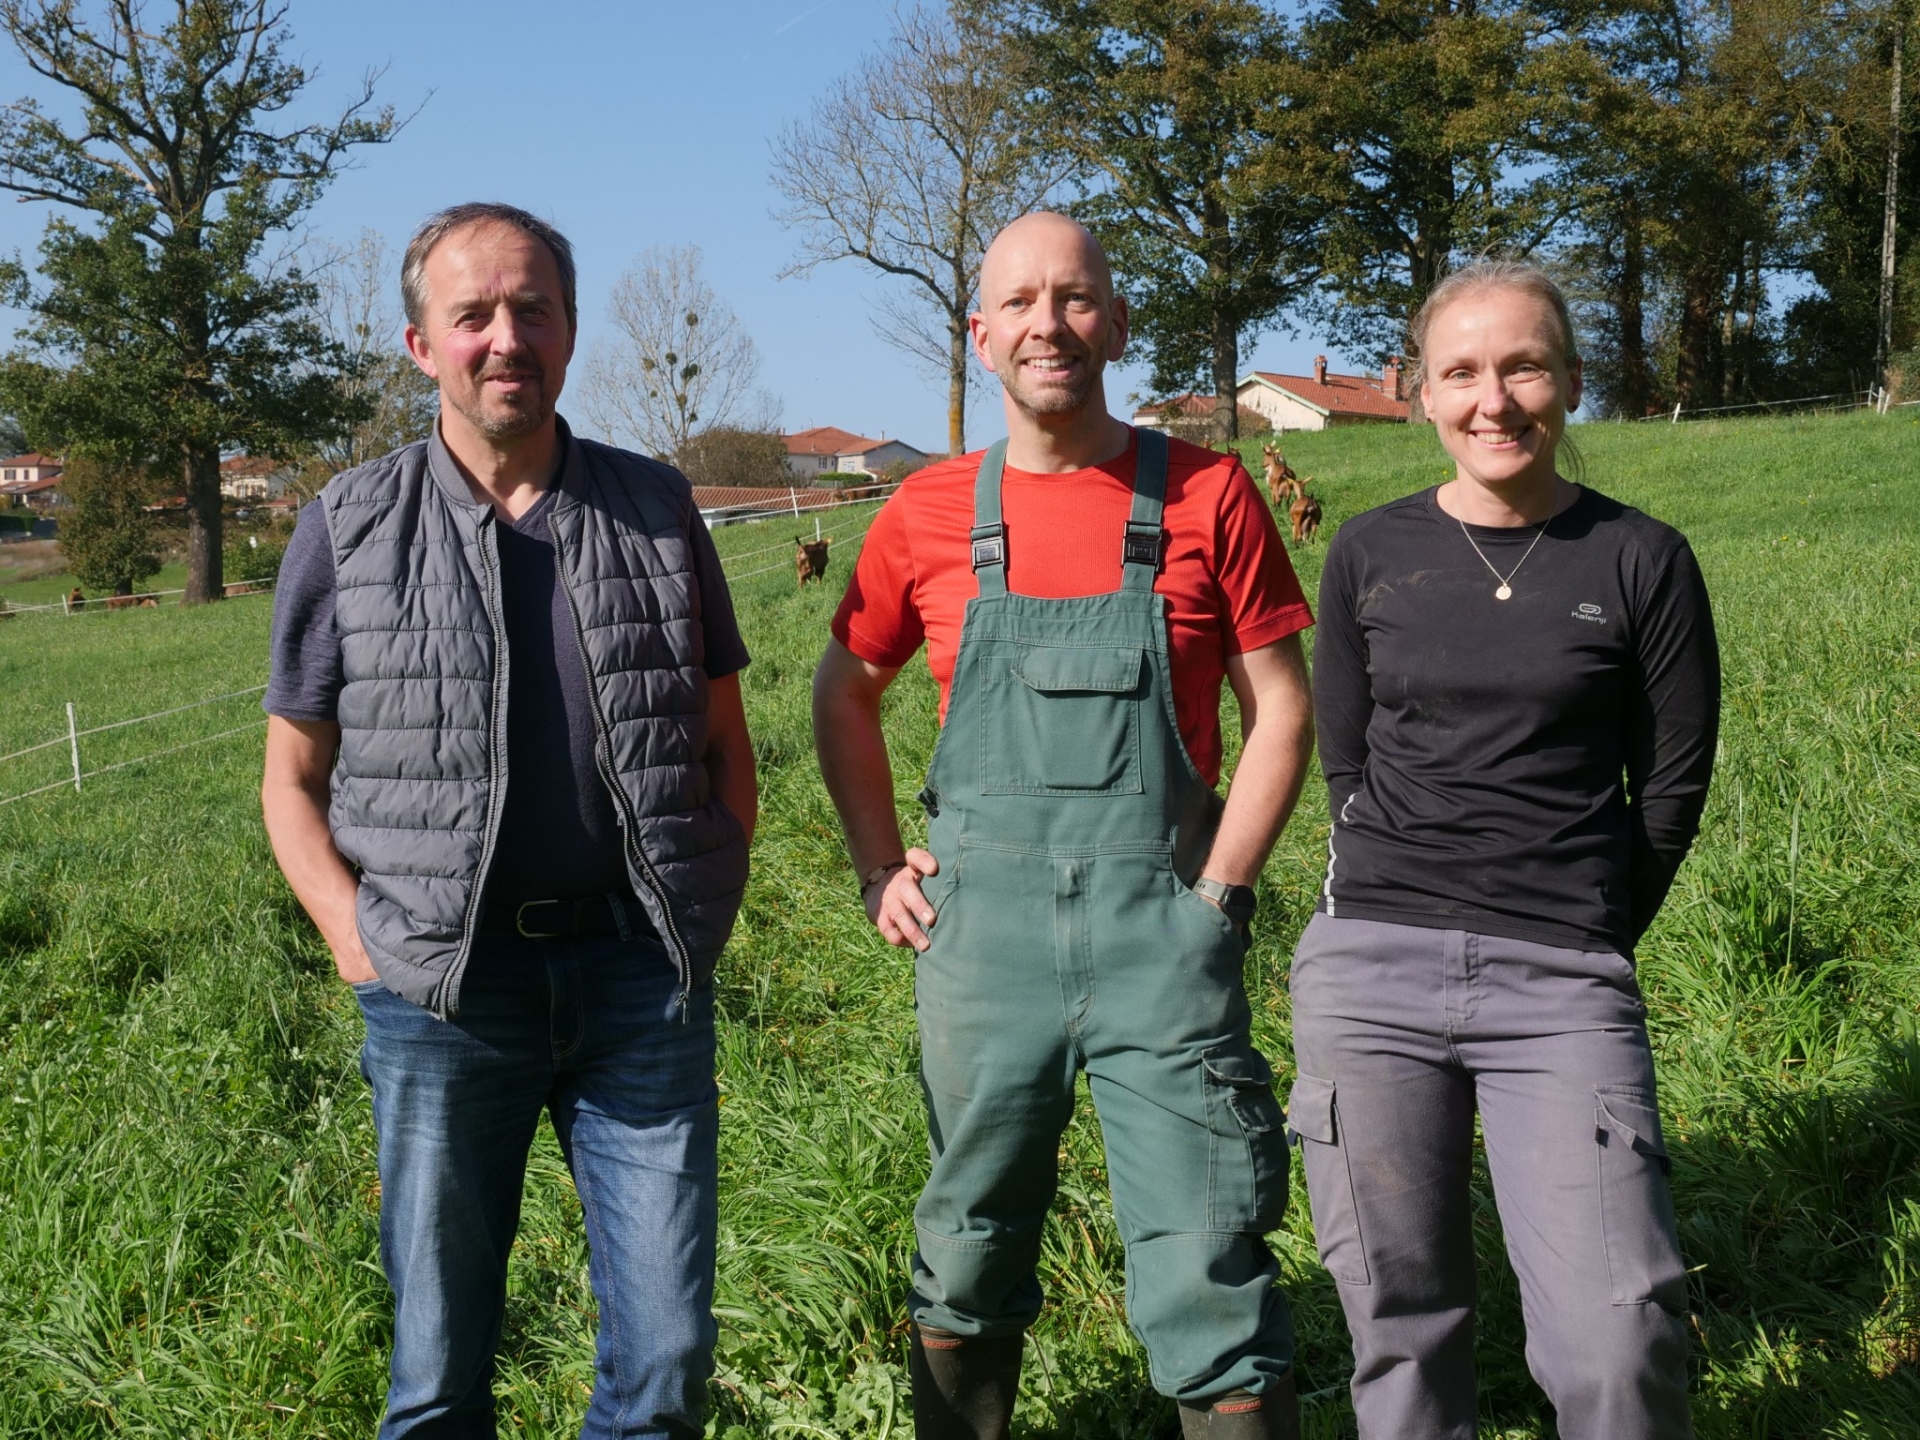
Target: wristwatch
1236, 902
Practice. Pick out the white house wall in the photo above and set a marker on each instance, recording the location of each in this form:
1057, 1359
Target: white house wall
1283, 412
806, 467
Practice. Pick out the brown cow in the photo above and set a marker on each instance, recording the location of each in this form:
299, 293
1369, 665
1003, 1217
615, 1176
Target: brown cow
122, 602
1282, 483
810, 558
1305, 514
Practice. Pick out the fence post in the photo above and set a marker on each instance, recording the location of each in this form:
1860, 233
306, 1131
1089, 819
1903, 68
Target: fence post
73, 741
793, 498
1676, 414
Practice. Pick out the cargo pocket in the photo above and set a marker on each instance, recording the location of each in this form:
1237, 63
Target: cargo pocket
1247, 1151
1312, 1117
1636, 1206
1062, 721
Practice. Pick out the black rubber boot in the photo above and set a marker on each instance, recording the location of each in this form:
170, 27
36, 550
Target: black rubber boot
963, 1385
1237, 1415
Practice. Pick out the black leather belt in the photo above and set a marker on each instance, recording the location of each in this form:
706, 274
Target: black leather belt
569, 917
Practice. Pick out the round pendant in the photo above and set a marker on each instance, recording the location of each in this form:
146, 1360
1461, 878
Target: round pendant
1505, 592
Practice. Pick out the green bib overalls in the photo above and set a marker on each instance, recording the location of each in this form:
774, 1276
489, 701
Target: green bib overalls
1068, 820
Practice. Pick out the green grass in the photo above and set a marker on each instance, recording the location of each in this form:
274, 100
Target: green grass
187, 1194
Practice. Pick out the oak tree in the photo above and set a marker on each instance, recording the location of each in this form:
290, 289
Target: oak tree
164, 328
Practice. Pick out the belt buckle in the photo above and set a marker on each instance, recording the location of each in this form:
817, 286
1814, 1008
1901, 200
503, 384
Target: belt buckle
520, 922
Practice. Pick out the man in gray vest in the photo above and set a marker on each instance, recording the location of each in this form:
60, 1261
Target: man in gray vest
508, 775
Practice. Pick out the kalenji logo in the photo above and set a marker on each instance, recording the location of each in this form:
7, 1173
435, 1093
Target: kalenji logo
1590, 612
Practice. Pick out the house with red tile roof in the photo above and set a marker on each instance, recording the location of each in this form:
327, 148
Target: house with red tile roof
243, 477
827, 449
1323, 399
32, 479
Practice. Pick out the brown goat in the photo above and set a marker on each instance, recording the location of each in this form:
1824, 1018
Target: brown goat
76, 601
810, 558
1305, 514
1282, 483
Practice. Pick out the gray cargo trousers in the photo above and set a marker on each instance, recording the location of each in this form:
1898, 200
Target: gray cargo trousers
1400, 1033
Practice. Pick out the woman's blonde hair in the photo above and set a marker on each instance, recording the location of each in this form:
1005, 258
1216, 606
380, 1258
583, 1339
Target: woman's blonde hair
1498, 275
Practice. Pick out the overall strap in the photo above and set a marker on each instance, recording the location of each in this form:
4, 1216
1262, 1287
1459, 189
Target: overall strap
989, 531
1142, 553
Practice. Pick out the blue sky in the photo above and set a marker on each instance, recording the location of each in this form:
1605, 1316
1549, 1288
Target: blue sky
628, 124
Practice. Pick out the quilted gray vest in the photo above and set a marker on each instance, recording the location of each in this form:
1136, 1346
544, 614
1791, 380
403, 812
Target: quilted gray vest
422, 773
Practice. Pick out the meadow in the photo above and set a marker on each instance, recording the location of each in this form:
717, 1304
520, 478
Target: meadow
187, 1194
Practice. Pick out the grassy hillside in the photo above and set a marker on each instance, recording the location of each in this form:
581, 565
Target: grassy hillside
187, 1195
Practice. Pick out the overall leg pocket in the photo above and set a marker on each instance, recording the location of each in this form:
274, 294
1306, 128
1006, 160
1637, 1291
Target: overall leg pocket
1636, 1206
1247, 1151
1313, 1118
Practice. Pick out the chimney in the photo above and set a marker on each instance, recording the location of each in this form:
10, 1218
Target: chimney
1319, 369
1390, 378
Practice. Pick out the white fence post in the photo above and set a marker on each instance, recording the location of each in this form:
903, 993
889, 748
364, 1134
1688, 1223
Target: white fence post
1676, 414
73, 740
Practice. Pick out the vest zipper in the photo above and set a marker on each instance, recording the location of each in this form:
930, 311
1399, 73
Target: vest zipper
602, 746
449, 997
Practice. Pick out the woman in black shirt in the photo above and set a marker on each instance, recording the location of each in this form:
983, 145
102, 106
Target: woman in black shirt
1517, 693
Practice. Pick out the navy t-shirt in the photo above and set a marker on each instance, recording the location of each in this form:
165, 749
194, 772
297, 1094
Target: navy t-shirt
558, 835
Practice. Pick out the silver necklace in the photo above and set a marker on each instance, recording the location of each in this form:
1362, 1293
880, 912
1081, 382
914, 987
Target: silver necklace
1505, 592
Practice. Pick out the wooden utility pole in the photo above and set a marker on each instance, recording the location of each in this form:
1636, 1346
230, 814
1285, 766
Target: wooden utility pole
1883, 344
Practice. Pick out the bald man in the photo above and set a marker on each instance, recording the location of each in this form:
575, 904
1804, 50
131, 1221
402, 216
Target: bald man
1083, 902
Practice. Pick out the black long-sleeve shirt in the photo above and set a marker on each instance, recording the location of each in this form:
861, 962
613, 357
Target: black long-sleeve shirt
1532, 767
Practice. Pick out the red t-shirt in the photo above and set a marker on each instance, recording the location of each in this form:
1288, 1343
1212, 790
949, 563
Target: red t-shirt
1228, 582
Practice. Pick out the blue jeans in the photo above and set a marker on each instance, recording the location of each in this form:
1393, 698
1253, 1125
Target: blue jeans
591, 1030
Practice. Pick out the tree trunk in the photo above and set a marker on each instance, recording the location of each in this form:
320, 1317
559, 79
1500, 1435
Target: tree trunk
1226, 381
1636, 382
1426, 265
957, 361
1226, 328
1732, 360
1692, 380
1883, 341
201, 469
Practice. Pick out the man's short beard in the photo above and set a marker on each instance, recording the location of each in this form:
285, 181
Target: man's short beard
1055, 400
509, 424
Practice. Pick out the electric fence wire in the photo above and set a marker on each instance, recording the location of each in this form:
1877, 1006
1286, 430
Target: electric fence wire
783, 565
100, 603
137, 760
783, 544
136, 720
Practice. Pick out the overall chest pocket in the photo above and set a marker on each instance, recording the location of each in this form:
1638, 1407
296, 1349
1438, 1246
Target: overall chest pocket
1063, 721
